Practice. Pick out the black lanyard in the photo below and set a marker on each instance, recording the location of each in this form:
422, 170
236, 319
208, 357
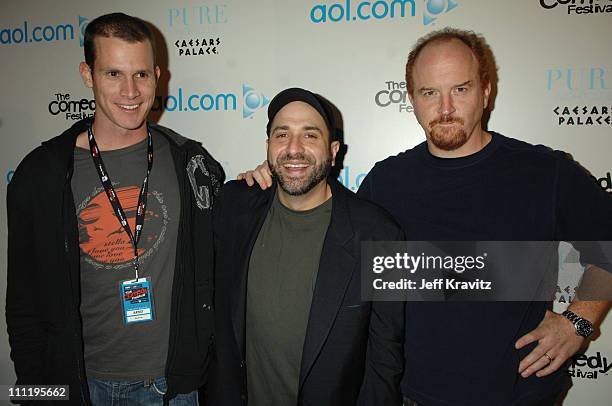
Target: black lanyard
112, 195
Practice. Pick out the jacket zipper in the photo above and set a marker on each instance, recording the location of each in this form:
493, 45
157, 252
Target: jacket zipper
184, 196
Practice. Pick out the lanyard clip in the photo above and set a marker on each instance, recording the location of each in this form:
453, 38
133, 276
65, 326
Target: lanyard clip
136, 265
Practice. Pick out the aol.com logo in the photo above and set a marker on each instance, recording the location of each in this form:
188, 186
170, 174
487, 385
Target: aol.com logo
252, 101
187, 100
83, 21
435, 8
28, 32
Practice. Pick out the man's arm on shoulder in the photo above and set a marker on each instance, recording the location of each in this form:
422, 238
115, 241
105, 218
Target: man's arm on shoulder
262, 175
26, 330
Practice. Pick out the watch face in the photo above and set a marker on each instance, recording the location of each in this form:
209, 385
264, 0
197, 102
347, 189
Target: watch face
584, 328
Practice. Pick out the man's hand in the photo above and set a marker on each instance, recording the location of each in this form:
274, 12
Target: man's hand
557, 341
261, 175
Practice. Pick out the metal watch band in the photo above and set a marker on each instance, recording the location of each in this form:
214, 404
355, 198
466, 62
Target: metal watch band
583, 327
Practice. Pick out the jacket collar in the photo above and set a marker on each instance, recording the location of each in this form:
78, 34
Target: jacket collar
61, 148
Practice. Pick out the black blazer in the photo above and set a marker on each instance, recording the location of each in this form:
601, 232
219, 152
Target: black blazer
353, 350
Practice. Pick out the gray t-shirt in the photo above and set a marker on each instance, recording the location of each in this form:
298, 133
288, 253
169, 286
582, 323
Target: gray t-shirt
282, 276
113, 350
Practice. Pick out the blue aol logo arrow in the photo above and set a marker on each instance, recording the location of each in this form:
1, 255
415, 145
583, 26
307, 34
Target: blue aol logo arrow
252, 101
434, 8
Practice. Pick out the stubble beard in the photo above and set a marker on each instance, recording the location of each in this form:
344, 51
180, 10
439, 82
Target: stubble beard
297, 186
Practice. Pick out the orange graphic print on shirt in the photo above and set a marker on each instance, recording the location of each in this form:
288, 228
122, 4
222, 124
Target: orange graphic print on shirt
104, 240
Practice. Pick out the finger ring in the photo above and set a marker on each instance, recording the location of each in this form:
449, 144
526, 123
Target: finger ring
548, 356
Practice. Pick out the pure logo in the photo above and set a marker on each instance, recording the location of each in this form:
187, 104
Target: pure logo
198, 16
571, 81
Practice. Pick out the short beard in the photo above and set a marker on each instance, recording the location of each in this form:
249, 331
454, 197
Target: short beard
295, 186
447, 139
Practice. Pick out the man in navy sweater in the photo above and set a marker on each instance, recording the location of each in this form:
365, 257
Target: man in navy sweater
465, 183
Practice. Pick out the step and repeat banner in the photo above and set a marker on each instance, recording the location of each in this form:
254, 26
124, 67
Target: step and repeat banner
224, 60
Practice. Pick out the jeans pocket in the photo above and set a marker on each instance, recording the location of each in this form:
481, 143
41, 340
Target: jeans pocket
159, 386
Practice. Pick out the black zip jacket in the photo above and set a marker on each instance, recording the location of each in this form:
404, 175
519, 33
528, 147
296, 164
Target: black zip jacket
43, 287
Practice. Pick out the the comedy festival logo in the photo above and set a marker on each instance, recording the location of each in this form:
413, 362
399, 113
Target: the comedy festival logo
249, 100
27, 32
197, 46
68, 107
605, 182
361, 10
589, 365
579, 7
393, 95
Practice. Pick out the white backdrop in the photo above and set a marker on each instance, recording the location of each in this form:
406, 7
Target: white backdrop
555, 85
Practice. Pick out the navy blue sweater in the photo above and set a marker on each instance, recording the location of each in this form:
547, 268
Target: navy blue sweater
462, 353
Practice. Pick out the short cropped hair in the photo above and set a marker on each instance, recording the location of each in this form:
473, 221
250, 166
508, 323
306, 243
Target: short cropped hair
116, 25
474, 41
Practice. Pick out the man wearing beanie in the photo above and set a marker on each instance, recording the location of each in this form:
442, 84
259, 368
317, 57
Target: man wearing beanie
291, 326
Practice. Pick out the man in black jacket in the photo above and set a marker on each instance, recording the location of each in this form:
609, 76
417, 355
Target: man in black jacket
468, 184
290, 323
110, 245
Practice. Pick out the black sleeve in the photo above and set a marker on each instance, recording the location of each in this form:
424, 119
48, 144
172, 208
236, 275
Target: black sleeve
365, 190
385, 352
26, 329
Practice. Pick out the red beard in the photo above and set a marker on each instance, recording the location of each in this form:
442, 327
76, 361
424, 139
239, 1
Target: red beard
447, 138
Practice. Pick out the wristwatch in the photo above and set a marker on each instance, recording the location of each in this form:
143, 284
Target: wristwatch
583, 327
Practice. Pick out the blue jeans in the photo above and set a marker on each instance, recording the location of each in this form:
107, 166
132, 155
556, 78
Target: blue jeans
138, 393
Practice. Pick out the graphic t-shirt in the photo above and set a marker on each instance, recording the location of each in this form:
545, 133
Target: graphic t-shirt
113, 350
